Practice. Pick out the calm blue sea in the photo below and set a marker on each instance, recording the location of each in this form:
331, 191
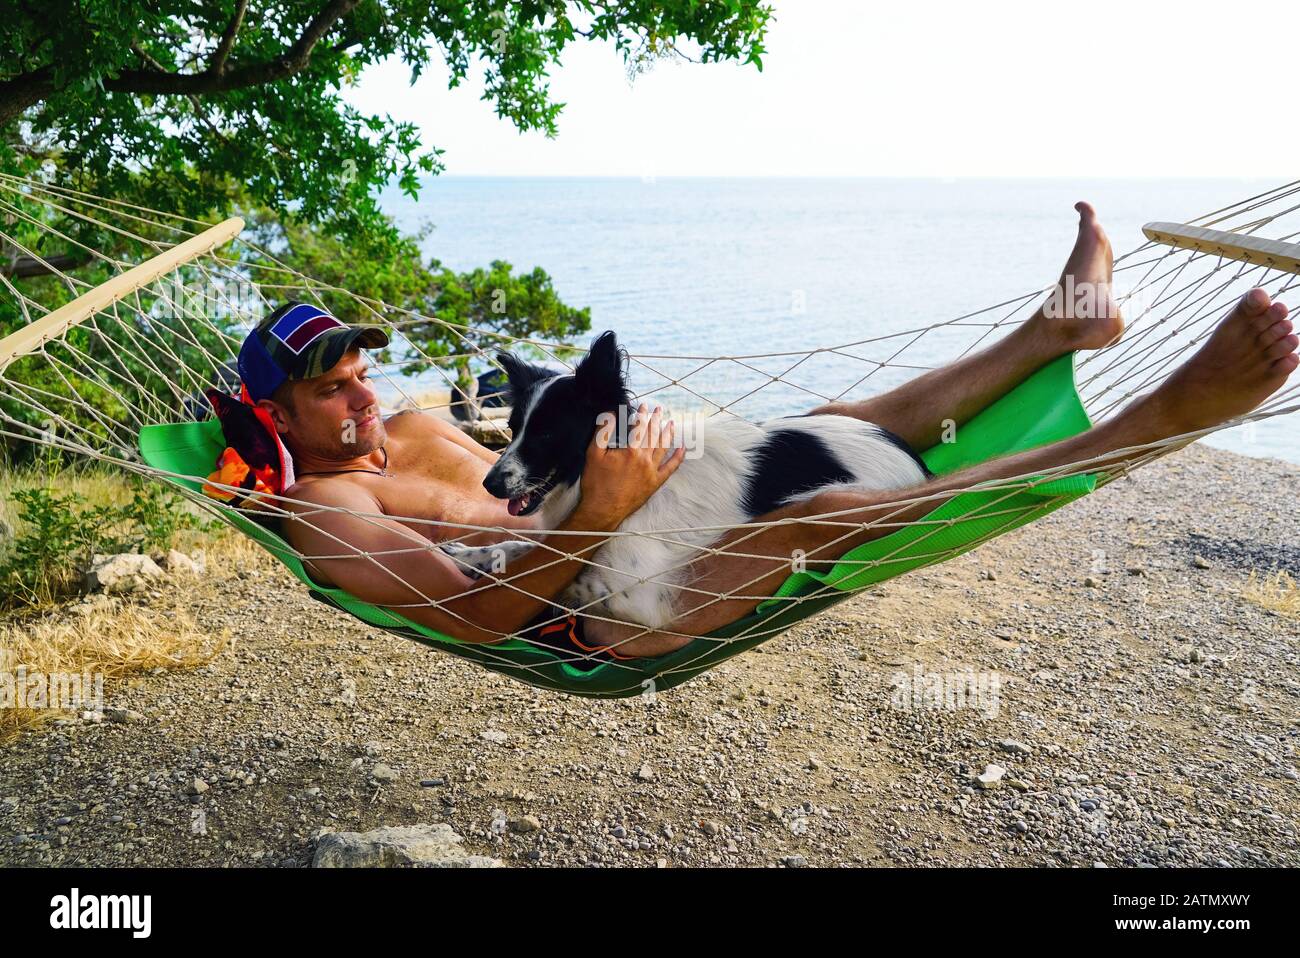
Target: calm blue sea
704, 267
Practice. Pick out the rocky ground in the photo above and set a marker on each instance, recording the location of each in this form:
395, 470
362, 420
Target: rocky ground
1139, 709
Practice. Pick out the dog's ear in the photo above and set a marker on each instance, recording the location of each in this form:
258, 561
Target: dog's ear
520, 374
601, 371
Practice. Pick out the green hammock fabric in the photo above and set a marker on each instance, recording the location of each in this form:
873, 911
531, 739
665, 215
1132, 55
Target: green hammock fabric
1044, 408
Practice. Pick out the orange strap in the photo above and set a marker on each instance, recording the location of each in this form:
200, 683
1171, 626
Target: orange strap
571, 623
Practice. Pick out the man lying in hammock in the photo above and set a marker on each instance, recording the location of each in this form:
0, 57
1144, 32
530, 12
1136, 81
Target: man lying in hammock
418, 467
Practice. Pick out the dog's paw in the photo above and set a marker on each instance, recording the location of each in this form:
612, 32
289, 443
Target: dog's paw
477, 561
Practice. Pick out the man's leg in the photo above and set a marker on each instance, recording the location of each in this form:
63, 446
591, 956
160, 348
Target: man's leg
1247, 358
916, 410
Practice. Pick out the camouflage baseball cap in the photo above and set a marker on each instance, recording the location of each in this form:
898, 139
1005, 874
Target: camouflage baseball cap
298, 341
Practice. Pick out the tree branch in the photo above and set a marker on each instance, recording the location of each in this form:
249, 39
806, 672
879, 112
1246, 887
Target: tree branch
21, 92
25, 267
218, 65
24, 91
255, 74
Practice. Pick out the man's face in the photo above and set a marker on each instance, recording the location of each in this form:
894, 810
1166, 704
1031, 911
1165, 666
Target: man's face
335, 415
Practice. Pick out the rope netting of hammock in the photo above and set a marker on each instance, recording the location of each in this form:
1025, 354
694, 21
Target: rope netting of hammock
136, 312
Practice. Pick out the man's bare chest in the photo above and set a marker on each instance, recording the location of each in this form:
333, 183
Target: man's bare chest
439, 482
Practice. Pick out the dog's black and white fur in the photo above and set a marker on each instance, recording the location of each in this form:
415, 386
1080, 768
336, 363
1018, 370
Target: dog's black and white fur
742, 471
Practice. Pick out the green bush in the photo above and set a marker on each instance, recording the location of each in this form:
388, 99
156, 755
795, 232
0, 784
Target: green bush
58, 534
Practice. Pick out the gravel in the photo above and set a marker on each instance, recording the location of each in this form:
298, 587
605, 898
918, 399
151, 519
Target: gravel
846, 741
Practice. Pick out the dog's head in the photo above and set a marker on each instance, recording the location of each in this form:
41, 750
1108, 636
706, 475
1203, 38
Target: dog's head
552, 421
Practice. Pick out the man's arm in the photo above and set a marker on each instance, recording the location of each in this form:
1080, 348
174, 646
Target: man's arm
340, 531
379, 560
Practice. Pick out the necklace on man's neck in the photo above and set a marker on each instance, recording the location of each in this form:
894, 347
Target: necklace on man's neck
381, 471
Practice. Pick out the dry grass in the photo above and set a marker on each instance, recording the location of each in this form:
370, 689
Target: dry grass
1279, 592
104, 636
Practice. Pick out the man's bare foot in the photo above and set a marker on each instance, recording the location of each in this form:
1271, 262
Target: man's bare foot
1081, 310
1246, 359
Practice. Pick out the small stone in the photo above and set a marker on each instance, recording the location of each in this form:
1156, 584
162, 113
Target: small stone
432, 782
1014, 747
179, 563
1092, 583
196, 787
122, 716
991, 776
710, 828
1200, 562
494, 735
645, 774
384, 773
794, 861
525, 823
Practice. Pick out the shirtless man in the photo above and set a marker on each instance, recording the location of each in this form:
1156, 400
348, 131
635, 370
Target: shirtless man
368, 473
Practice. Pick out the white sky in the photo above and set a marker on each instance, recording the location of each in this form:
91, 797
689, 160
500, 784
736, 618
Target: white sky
933, 88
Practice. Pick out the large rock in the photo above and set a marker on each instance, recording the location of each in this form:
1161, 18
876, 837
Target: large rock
419, 846
120, 573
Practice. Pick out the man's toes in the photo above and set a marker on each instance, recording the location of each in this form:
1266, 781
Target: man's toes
1254, 303
1087, 215
1283, 347
1286, 365
1265, 320
1273, 333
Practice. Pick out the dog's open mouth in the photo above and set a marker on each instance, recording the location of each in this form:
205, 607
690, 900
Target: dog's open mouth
530, 501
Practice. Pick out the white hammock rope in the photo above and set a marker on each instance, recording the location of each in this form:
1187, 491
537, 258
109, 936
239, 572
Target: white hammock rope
145, 357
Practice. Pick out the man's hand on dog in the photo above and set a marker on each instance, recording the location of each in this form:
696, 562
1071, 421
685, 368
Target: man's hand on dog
618, 480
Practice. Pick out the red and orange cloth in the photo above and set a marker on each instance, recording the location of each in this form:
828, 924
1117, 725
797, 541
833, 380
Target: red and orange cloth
255, 462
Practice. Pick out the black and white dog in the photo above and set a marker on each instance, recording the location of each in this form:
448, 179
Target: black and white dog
734, 472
